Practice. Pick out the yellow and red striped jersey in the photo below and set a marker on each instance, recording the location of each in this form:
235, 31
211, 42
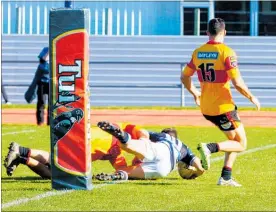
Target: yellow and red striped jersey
215, 64
105, 147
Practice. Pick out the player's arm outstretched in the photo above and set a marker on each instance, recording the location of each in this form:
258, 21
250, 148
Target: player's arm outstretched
241, 87
186, 75
237, 81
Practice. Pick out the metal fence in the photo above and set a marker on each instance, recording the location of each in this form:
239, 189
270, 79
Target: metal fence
23, 18
143, 70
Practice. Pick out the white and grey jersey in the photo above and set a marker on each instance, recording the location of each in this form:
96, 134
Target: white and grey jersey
179, 151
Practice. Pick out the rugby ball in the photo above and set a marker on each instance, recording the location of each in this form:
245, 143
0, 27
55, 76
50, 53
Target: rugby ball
187, 172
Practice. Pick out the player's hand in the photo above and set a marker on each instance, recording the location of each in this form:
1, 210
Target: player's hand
197, 98
256, 102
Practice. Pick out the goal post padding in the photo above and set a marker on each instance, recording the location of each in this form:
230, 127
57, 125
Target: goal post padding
69, 100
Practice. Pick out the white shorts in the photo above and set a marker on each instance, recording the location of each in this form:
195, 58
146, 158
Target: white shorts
157, 162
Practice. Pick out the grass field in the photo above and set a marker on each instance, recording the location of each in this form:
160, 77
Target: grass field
255, 170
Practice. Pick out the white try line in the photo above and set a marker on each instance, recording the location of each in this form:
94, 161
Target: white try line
13, 133
51, 194
56, 193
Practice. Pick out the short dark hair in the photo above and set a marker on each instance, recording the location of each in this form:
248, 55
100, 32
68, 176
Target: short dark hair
216, 25
170, 131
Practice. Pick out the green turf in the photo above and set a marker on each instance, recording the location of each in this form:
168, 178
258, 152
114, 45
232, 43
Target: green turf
255, 171
26, 106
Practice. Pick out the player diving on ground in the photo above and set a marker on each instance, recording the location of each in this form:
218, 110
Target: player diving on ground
159, 154
156, 154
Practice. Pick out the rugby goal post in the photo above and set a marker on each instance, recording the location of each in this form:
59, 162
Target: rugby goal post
69, 99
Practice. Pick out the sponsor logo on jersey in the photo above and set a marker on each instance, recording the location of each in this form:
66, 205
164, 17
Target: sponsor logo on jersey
207, 55
233, 61
226, 126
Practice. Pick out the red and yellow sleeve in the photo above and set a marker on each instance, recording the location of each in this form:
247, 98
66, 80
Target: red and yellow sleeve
190, 68
133, 130
231, 64
118, 162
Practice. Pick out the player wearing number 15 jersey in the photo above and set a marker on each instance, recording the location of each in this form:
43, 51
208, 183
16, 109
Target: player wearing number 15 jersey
216, 65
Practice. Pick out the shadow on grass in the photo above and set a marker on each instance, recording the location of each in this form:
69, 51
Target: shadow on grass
147, 183
27, 179
135, 182
172, 178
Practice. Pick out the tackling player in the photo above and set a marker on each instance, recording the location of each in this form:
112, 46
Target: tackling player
104, 147
216, 64
159, 153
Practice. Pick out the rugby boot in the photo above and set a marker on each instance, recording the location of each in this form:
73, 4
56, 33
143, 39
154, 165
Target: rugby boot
12, 159
11, 168
119, 175
230, 182
205, 155
111, 129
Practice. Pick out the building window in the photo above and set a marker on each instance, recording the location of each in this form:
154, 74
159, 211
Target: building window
267, 18
189, 20
236, 15
273, 5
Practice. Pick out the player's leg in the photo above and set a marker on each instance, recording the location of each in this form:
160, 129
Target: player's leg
140, 148
118, 161
237, 142
161, 164
123, 173
230, 157
48, 102
20, 155
139, 172
40, 105
229, 124
135, 172
37, 167
40, 155
148, 169
4, 93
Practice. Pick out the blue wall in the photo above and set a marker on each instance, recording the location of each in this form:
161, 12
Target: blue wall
143, 70
158, 18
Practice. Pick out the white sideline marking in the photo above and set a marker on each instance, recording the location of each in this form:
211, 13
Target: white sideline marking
38, 197
23, 131
55, 193
248, 151
51, 194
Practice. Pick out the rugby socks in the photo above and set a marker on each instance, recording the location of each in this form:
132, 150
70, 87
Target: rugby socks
24, 152
23, 160
226, 173
213, 147
125, 138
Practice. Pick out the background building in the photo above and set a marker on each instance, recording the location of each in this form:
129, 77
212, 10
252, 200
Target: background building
148, 17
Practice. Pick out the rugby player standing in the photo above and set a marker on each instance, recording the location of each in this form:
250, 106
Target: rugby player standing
216, 65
